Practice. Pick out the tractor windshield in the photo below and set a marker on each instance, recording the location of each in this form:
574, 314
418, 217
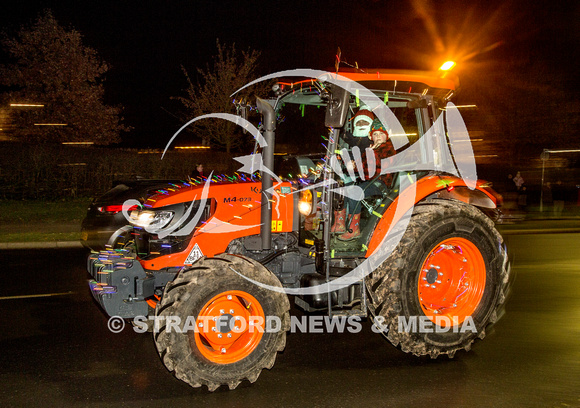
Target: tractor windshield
300, 128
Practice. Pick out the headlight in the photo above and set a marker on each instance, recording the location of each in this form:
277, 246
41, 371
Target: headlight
151, 220
305, 203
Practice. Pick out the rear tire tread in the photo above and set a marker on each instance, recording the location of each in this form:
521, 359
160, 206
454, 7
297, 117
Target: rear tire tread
384, 284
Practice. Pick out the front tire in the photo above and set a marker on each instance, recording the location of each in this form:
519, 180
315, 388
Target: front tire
444, 284
224, 348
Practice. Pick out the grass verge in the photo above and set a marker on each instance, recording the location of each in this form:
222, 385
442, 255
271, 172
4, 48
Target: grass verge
40, 237
43, 212
41, 221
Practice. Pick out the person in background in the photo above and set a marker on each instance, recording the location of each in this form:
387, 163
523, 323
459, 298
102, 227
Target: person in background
510, 187
519, 181
198, 172
547, 196
558, 195
523, 199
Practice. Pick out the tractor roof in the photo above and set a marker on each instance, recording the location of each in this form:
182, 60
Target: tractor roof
433, 79
436, 83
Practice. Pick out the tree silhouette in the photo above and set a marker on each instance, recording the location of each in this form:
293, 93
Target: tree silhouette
229, 72
51, 67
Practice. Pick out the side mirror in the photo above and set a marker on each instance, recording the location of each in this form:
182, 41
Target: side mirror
337, 107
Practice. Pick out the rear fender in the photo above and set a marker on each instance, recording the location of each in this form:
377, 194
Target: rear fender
474, 197
435, 186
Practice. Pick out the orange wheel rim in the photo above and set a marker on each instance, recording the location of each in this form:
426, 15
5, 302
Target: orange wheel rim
452, 281
229, 327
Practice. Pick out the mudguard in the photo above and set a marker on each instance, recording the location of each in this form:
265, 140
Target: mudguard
437, 186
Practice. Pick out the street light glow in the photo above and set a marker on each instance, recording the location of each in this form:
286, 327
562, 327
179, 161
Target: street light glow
562, 151
192, 147
33, 105
447, 65
458, 107
402, 134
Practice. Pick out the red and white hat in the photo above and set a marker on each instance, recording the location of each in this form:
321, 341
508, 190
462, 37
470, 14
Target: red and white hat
366, 115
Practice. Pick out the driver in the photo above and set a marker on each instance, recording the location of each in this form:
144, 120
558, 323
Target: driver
362, 122
382, 148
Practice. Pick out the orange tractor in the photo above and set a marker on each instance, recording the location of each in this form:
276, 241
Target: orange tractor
217, 260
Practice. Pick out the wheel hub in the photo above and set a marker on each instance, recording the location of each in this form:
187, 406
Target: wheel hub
452, 280
225, 330
431, 276
225, 323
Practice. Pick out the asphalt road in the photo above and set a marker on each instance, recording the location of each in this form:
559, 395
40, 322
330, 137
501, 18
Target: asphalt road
57, 351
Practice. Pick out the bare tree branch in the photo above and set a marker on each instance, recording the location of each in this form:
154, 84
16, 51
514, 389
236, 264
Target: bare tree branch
53, 68
229, 71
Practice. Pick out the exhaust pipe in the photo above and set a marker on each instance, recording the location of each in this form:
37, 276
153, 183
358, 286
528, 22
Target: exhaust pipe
269, 123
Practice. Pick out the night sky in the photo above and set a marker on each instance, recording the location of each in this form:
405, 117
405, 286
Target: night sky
507, 43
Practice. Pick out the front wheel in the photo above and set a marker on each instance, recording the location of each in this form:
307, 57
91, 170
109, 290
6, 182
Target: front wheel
444, 284
218, 328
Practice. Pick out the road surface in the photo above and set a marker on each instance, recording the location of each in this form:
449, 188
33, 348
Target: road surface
57, 351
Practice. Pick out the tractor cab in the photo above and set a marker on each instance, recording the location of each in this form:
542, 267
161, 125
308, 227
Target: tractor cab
408, 102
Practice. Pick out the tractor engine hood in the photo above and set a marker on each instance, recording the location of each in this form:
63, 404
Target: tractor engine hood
208, 215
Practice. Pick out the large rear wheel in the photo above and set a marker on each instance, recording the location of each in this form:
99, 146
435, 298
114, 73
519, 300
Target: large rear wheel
222, 337
445, 282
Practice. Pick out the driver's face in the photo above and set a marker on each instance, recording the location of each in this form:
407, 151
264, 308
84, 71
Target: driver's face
361, 123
